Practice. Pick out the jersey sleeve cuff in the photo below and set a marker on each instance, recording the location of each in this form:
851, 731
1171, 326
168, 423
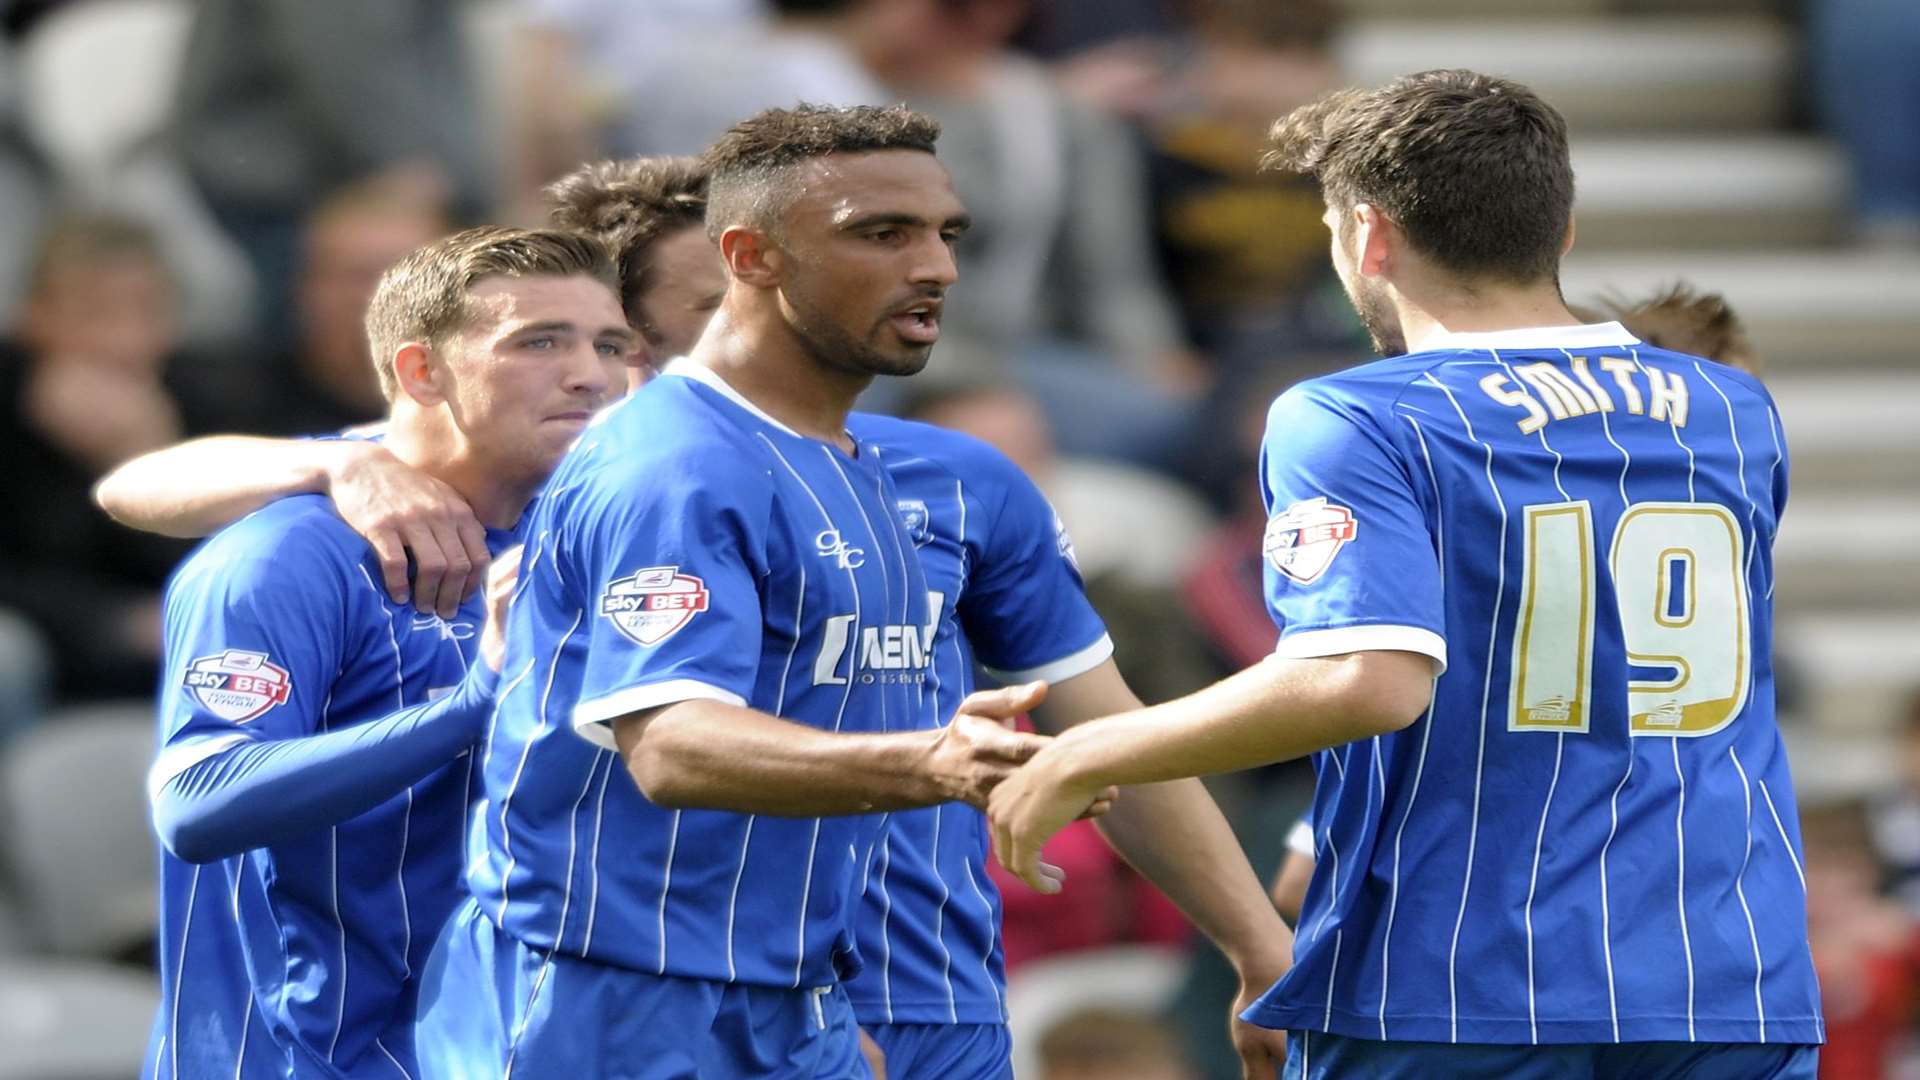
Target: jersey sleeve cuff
592, 720
1309, 644
1060, 670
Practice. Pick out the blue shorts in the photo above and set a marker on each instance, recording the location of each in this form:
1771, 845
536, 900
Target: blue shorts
955, 1051
492, 1007
1312, 1055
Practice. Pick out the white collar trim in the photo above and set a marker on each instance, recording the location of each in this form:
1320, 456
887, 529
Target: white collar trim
701, 373
1591, 335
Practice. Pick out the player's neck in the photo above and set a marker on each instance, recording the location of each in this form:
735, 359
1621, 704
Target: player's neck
766, 363
1425, 319
497, 496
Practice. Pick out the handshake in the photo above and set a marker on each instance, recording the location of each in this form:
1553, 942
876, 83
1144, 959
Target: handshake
981, 759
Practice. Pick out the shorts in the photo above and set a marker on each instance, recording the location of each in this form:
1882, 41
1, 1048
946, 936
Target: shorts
491, 1007
956, 1051
1313, 1055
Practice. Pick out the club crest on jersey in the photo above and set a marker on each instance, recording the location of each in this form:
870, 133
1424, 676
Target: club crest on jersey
237, 685
917, 518
651, 605
1064, 543
1302, 540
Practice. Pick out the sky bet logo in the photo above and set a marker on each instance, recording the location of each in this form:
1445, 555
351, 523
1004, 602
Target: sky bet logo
237, 685
651, 605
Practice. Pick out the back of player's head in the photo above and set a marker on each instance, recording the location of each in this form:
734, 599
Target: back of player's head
628, 205
426, 296
1688, 321
1472, 168
751, 169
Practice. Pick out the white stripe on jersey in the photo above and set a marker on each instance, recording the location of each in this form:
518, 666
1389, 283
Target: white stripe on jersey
986, 960
940, 911
1626, 459
526, 751
1740, 890
1439, 511
573, 835
813, 843
1533, 881
593, 855
1733, 432
333, 880
1680, 836
733, 900
1798, 871
382, 1047
886, 915
1671, 426
1779, 458
179, 972
1486, 698
666, 884
1606, 911
406, 822
246, 1018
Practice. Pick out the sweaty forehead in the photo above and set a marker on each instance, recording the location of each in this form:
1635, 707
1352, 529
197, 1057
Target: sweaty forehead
840, 187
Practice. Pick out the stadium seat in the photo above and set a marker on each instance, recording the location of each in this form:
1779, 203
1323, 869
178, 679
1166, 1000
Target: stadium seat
77, 832
68, 1020
1044, 992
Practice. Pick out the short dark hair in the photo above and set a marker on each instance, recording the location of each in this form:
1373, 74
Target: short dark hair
749, 168
630, 205
1474, 169
425, 296
1683, 319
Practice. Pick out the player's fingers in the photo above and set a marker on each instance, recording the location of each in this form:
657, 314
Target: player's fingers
392, 553
997, 743
1043, 876
1005, 703
473, 539
429, 566
453, 580
1101, 804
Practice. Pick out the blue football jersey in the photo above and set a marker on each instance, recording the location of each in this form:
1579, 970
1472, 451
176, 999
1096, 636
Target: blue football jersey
1591, 835
1003, 589
299, 959
689, 546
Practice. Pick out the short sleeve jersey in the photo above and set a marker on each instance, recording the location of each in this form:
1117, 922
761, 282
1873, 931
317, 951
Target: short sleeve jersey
300, 959
691, 547
1591, 835
1004, 590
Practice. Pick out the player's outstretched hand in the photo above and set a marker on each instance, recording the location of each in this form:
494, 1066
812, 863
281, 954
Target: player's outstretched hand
1029, 807
501, 577
979, 747
400, 509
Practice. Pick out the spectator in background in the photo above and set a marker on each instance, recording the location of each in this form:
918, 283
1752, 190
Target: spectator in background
23, 188
284, 101
1868, 86
1098, 1044
1894, 820
1059, 265
1865, 949
661, 77
83, 387
324, 379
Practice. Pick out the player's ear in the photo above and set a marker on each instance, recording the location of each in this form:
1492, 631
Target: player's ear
751, 256
1566, 245
1376, 237
413, 370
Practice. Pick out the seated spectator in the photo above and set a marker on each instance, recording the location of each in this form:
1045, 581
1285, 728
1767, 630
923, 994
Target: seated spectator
82, 388
324, 379
1865, 948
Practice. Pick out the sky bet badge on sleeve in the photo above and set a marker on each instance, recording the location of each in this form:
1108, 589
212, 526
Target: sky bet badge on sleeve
237, 685
1302, 540
651, 605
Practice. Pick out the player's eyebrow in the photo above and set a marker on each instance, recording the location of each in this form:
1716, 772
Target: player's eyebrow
624, 334
958, 223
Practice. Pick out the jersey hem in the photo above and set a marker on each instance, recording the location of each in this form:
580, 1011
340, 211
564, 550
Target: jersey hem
870, 1013
591, 719
1060, 670
1519, 1031
1311, 644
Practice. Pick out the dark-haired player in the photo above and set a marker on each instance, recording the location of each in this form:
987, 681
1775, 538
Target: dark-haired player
1521, 573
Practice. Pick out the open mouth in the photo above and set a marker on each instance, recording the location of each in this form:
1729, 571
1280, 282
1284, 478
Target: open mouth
920, 324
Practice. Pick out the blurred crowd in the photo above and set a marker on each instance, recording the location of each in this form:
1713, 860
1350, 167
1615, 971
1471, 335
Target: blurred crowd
1134, 293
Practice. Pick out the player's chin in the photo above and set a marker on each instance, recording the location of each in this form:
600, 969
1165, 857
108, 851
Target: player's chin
903, 358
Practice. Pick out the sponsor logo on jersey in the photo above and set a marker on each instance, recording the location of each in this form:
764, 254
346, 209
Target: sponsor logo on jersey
651, 605
1302, 540
237, 685
831, 545
918, 520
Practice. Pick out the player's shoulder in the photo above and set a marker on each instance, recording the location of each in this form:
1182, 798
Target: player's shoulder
291, 544
1732, 381
664, 434
1362, 392
964, 456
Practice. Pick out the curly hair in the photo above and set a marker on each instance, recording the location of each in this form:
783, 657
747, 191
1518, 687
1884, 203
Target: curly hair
630, 205
750, 168
1473, 168
426, 295
1686, 320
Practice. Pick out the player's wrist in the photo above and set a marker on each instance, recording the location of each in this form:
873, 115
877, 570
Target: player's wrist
341, 460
